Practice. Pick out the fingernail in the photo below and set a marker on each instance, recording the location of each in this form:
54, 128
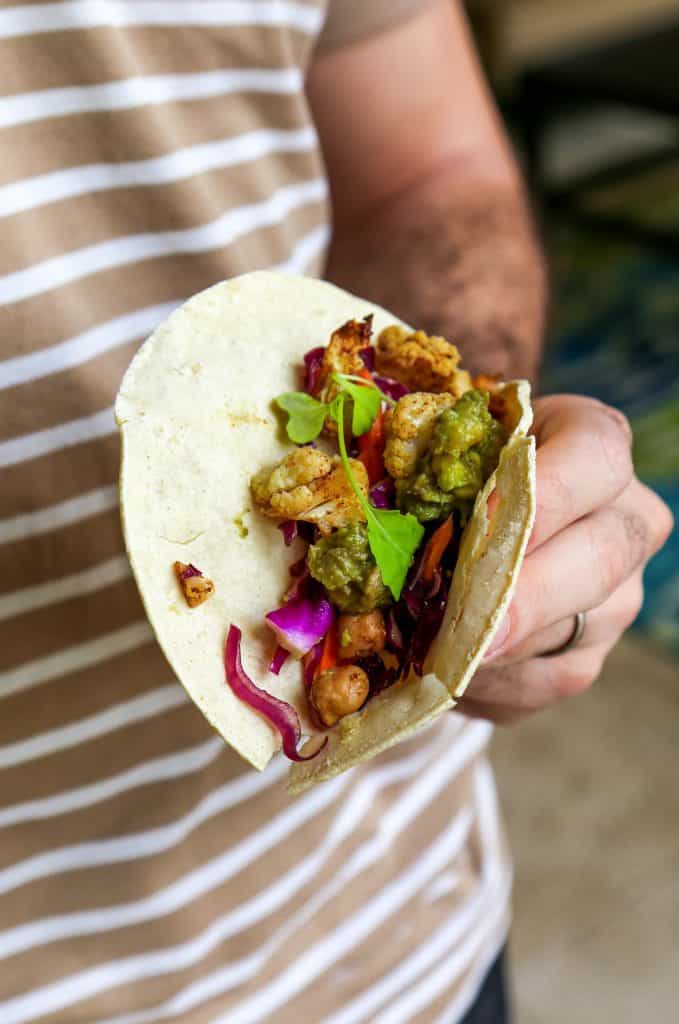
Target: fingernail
499, 640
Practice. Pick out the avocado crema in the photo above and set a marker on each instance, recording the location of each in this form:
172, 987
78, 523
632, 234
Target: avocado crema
463, 452
344, 564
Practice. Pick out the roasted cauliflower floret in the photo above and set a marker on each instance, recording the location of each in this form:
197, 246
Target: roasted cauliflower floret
309, 485
342, 355
420, 362
409, 430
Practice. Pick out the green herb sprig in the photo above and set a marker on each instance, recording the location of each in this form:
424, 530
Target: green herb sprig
393, 537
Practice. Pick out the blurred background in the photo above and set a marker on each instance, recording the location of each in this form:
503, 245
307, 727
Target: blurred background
591, 93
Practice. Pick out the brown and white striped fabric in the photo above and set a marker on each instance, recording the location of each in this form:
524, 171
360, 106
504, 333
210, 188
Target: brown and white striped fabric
149, 149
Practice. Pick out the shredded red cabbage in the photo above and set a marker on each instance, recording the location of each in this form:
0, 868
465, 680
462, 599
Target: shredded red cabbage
310, 663
299, 567
189, 572
428, 626
292, 529
391, 387
414, 592
301, 586
368, 356
299, 625
312, 368
379, 676
280, 656
395, 641
278, 713
434, 585
413, 622
289, 531
382, 494
308, 532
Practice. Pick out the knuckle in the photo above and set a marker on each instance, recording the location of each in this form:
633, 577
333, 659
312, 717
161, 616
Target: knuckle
621, 422
662, 523
615, 437
650, 521
636, 539
609, 554
553, 497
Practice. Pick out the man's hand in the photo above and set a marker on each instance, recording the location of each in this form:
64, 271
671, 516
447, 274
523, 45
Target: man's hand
595, 529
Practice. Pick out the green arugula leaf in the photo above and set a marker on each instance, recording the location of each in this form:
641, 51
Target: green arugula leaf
366, 403
393, 537
306, 415
340, 377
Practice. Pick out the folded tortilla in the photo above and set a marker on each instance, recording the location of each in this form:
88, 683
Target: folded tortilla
196, 421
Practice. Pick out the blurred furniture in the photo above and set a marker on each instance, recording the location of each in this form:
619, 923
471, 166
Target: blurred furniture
638, 72
513, 33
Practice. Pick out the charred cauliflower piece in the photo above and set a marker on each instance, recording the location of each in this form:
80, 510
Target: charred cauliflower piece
409, 430
309, 485
342, 355
420, 362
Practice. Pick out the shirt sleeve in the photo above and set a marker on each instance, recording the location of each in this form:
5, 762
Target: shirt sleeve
348, 20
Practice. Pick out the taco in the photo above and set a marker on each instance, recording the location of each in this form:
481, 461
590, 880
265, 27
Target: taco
325, 516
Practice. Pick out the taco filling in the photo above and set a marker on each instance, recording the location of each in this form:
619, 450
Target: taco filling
393, 443
324, 544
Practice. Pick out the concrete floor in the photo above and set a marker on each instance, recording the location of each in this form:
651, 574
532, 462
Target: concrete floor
592, 804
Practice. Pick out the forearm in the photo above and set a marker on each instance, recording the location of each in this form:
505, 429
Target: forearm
456, 256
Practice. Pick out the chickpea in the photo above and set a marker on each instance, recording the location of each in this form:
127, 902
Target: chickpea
361, 635
337, 692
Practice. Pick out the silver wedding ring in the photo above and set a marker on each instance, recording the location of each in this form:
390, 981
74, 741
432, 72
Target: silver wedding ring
573, 640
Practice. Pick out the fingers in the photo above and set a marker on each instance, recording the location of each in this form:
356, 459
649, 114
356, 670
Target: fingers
583, 461
508, 692
579, 568
603, 625
659, 516
596, 527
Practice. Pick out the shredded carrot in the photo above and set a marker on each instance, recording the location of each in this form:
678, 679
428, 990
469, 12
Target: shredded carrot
329, 652
371, 449
436, 546
485, 382
365, 373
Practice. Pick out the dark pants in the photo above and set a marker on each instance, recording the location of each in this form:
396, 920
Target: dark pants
492, 1003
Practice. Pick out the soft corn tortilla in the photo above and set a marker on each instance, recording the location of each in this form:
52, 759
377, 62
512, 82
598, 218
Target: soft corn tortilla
196, 421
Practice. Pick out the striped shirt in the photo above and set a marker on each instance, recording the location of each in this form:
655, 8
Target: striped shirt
149, 149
